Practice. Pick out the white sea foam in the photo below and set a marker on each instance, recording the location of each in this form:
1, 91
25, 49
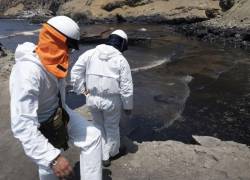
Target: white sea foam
142, 29
154, 64
3, 36
24, 33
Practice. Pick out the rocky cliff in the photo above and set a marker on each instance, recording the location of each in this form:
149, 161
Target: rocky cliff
144, 11
29, 8
93, 11
230, 27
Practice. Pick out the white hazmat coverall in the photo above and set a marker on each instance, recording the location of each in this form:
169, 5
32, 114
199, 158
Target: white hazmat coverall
34, 98
107, 76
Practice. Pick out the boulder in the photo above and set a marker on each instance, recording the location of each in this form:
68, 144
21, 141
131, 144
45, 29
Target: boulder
29, 8
212, 13
226, 4
119, 4
6, 62
2, 52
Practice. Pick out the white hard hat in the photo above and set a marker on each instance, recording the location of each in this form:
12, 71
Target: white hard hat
120, 33
66, 26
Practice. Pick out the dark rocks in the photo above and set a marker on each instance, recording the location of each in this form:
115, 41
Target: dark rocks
234, 37
95, 35
100, 34
212, 13
118, 4
113, 5
134, 3
30, 9
54, 6
226, 4
201, 33
6, 62
2, 52
246, 36
117, 11
120, 18
82, 17
161, 19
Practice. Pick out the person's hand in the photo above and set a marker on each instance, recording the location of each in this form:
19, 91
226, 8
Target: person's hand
127, 112
61, 167
86, 92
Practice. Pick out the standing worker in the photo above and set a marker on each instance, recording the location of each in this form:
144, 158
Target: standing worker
40, 119
103, 75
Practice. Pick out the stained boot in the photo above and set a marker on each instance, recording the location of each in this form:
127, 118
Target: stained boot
106, 163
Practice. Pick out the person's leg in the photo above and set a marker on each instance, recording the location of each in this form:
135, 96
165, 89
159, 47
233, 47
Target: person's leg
46, 173
111, 126
87, 137
99, 123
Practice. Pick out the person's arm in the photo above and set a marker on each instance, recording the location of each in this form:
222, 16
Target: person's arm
24, 91
126, 85
78, 72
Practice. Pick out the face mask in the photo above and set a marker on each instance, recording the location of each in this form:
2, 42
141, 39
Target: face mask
53, 51
117, 42
72, 43
71, 51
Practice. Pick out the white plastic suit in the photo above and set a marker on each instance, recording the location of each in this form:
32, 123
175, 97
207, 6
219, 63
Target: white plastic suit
107, 76
34, 97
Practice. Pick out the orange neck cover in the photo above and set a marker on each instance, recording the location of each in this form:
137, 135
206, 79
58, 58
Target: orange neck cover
53, 51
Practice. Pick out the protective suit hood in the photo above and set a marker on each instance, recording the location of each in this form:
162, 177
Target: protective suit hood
25, 52
106, 52
53, 51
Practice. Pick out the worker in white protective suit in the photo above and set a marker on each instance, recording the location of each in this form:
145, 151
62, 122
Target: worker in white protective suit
37, 89
103, 75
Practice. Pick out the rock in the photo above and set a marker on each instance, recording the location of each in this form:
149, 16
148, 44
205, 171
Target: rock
212, 13
6, 63
207, 141
226, 4
30, 8
134, 3
120, 18
96, 35
82, 17
2, 52
200, 33
175, 160
119, 4
113, 5
230, 28
246, 36
117, 11
100, 34
14, 10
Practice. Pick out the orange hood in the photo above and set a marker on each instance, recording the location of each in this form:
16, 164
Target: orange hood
53, 51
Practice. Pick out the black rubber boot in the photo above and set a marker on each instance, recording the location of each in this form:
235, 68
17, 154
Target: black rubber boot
106, 163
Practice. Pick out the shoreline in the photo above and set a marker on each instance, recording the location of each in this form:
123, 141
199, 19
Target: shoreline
236, 37
227, 36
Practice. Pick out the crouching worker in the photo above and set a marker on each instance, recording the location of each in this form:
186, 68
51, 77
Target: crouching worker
103, 75
40, 119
